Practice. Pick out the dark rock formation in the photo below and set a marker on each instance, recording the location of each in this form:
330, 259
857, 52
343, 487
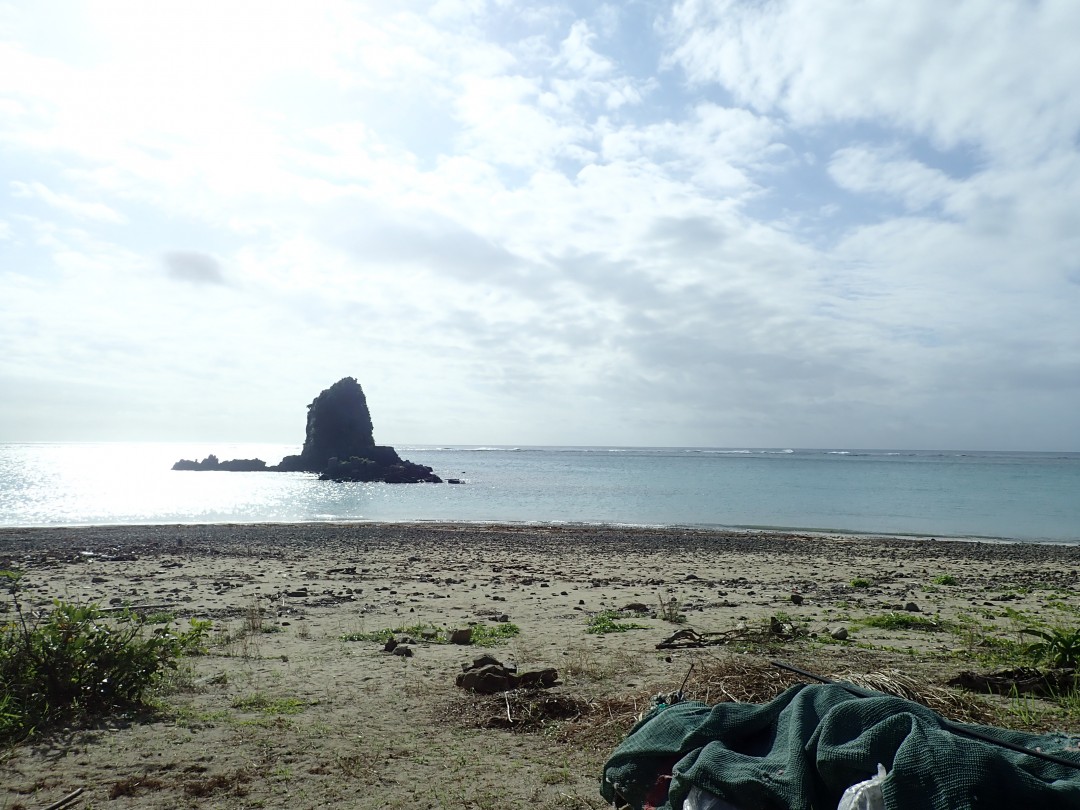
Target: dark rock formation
338, 426
339, 445
231, 465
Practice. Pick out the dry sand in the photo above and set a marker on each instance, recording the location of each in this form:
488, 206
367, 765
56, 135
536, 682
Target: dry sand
285, 713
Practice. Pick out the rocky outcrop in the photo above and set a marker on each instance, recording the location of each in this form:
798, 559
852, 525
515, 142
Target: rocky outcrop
231, 465
339, 445
339, 427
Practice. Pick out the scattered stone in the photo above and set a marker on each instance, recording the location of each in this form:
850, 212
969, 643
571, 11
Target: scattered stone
487, 676
462, 635
840, 635
403, 651
391, 643
911, 607
796, 599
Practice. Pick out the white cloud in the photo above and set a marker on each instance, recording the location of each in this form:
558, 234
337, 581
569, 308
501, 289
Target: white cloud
66, 202
993, 76
881, 171
805, 221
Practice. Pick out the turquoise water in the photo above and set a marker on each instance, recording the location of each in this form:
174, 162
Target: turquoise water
1023, 496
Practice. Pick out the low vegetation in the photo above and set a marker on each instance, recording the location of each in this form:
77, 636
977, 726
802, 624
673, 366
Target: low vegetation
77, 663
1059, 647
483, 635
902, 621
607, 621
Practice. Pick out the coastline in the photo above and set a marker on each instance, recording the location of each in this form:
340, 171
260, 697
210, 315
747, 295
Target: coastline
581, 526
366, 726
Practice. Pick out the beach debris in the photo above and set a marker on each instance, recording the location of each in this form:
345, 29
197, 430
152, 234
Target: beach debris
776, 629
66, 800
487, 675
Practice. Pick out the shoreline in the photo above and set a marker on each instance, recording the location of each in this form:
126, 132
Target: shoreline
718, 530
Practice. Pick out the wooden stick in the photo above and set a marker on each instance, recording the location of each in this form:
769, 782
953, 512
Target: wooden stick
67, 799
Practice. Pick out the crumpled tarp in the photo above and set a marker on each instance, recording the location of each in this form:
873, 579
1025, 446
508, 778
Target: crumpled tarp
809, 744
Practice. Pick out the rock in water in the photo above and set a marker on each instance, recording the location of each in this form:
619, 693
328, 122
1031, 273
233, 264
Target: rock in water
338, 425
339, 445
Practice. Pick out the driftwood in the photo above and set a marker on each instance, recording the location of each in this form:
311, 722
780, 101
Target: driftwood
689, 637
66, 800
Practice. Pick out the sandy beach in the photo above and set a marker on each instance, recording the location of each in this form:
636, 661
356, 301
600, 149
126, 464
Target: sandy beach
283, 711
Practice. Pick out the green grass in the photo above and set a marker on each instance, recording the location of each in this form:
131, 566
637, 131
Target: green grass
258, 702
483, 635
945, 579
902, 621
491, 635
605, 622
861, 582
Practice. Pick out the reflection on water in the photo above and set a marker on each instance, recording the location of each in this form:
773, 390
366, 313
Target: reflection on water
1005, 495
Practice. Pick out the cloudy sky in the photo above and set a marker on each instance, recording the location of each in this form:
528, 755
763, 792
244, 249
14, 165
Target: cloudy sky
795, 223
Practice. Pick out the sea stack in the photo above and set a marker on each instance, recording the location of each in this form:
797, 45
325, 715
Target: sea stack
339, 444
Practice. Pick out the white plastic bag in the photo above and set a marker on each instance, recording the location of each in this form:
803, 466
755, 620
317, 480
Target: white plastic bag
865, 795
698, 799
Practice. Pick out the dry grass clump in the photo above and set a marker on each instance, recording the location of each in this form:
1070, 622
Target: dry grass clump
525, 710
602, 722
738, 680
747, 680
951, 705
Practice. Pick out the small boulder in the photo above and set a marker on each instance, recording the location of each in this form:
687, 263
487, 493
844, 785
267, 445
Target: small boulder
462, 635
840, 635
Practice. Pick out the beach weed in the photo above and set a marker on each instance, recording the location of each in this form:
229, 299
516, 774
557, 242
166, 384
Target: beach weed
253, 617
669, 611
77, 662
1060, 646
861, 582
945, 579
605, 622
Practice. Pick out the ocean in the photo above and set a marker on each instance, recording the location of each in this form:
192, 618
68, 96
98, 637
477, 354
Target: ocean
1008, 496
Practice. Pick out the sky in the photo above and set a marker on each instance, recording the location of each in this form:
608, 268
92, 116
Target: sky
736, 223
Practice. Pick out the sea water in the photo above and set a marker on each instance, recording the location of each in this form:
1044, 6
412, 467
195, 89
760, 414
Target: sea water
1021, 496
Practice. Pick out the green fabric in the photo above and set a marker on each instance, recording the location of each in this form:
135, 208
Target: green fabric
803, 749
